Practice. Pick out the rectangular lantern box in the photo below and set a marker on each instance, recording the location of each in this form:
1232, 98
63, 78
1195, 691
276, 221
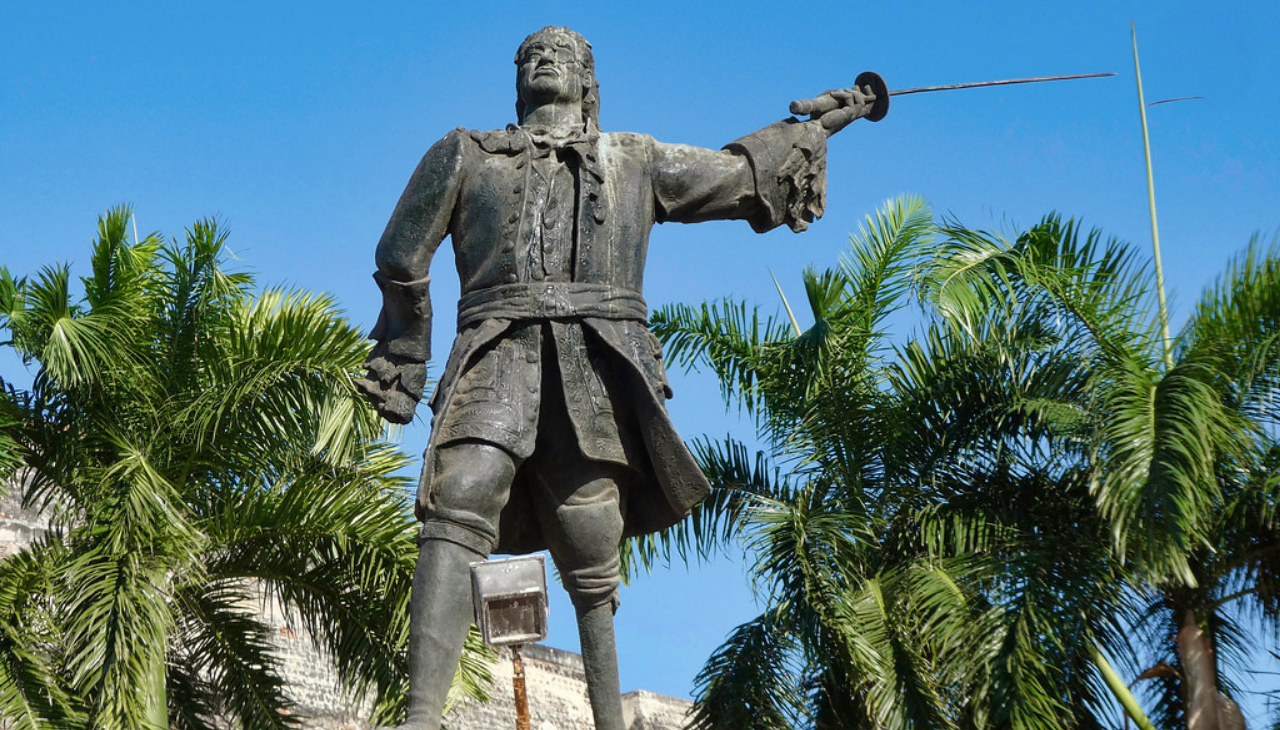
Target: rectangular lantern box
510, 597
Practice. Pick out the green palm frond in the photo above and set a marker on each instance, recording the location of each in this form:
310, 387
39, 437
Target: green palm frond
739, 479
1101, 286
192, 704
807, 548
73, 348
34, 693
122, 272
1237, 321
882, 257
193, 295
228, 655
1157, 467
339, 557
11, 455
1098, 289
726, 337
284, 373
118, 621
1008, 391
13, 313
188, 437
749, 682
970, 272
879, 634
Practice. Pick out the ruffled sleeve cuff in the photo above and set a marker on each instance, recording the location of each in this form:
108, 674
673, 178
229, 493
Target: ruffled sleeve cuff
789, 163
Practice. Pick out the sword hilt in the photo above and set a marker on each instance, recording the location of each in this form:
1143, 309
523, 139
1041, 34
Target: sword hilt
867, 81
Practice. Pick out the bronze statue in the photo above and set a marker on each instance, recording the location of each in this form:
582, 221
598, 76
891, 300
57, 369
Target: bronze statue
550, 427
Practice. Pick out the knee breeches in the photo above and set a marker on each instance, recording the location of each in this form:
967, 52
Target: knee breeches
578, 502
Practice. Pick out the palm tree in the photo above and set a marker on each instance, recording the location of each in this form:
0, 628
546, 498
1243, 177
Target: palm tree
1182, 449
910, 522
199, 448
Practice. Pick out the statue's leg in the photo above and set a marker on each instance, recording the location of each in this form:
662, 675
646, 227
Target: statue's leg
580, 506
600, 661
584, 530
470, 485
440, 614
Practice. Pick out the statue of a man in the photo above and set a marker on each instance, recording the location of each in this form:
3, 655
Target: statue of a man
550, 426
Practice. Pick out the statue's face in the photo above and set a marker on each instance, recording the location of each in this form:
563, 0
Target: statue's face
549, 71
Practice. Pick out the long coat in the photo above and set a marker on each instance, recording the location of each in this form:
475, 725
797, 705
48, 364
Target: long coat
493, 194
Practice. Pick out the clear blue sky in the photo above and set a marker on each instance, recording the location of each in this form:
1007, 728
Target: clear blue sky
297, 124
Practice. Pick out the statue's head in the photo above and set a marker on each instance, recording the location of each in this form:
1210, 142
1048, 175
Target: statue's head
556, 61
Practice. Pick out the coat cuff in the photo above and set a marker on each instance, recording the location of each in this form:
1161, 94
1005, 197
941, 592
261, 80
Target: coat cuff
789, 163
404, 324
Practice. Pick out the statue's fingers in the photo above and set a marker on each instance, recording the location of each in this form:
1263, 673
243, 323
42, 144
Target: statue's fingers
413, 378
839, 119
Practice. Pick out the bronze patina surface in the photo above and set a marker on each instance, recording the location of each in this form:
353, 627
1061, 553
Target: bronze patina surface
550, 428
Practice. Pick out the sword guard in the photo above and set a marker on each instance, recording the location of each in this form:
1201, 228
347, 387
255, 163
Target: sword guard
879, 107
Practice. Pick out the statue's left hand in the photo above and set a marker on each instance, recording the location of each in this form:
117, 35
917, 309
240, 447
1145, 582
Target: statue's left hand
393, 384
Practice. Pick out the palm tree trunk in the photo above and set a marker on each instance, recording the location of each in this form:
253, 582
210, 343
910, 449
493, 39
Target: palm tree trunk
1200, 685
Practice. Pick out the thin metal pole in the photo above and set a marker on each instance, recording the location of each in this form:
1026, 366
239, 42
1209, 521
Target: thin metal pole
1151, 197
1003, 82
517, 686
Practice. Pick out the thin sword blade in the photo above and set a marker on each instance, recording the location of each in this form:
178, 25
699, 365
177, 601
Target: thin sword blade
1003, 82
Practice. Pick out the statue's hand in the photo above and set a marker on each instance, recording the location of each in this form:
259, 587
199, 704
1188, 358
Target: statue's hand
838, 108
393, 384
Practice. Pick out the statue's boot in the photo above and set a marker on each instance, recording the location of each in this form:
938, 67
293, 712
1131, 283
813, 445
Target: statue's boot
600, 660
440, 615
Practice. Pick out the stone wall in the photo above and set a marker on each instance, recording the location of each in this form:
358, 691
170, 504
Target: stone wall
557, 691
555, 681
555, 684
18, 527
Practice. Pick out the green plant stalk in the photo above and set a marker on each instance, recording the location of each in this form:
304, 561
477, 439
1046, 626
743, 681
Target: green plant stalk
1151, 197
158, 699
795, 326
1121, 691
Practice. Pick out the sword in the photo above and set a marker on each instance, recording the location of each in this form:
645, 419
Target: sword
825, 102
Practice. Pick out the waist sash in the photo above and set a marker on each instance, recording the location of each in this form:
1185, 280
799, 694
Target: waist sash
551, 300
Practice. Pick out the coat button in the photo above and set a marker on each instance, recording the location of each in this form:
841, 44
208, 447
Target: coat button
511, 278
514, 217
509, 246
531, 356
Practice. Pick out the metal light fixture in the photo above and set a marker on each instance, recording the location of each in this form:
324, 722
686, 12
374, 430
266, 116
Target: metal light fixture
510, 597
